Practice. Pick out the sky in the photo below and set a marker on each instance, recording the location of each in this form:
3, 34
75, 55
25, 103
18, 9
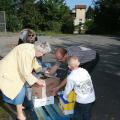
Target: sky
72, 3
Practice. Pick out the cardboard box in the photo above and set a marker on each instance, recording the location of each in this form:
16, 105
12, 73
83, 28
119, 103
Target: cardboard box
42, 96
43, 102
65, 106
43, 92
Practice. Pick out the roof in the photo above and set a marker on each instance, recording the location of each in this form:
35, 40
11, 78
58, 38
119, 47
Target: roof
80, 6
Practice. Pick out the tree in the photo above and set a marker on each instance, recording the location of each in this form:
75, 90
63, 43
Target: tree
10, 8
27, 13
53, 13
107, 15
90, 13
36, 14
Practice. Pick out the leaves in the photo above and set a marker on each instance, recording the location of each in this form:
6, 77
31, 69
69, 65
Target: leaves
38, 15
107, 15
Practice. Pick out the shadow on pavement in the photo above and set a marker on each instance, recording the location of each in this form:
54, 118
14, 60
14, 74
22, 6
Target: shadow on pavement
106, 80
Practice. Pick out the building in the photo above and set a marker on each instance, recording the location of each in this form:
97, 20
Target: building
78, 14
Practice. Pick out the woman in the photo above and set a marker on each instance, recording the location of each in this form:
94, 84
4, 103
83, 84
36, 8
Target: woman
16, 69
27, 36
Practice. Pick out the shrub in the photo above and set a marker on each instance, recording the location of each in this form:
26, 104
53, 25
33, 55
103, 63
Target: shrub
67, 26
13, 23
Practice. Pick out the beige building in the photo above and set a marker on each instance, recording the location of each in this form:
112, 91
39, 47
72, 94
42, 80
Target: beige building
79, 14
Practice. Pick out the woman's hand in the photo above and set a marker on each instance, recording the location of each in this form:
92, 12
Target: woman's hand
40, 83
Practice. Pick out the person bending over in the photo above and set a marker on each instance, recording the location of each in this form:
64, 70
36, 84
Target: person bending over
16, 69
88, 57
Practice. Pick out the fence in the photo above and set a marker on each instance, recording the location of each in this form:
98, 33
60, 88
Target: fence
2, 21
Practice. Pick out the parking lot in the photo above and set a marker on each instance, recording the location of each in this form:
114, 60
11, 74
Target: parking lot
106, 76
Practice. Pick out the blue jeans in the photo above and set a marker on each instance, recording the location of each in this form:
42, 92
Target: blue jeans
82, 111
18, 99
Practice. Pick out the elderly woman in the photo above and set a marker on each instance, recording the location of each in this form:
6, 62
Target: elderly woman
16, 69
27, 36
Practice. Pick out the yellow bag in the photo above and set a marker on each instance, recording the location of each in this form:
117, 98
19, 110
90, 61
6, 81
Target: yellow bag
72, 96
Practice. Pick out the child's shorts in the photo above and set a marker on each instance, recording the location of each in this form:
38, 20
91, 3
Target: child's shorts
18, 99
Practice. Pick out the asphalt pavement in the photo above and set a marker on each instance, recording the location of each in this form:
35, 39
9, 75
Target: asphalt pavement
106, 75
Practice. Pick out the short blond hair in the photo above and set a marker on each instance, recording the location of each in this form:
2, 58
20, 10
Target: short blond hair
43, 47
73, 61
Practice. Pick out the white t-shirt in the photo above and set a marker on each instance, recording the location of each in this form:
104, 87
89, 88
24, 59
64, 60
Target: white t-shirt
80, 80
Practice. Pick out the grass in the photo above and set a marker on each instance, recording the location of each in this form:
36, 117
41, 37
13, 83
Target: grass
49, 33
5, 110
3, 114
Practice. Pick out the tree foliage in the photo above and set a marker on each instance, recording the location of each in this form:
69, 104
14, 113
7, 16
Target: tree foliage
9, 6
90, 13
107, 16
36, 14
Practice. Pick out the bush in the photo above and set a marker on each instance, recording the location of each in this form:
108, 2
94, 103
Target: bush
91, 27
13, 23
67, 26
88, 24
54, 26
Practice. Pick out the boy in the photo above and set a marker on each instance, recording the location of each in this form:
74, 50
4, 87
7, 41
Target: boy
80, 80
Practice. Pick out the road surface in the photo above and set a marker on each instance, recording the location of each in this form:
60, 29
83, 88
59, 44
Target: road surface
106, 76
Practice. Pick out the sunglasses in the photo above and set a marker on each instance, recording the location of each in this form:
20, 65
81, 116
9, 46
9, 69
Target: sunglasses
31, 35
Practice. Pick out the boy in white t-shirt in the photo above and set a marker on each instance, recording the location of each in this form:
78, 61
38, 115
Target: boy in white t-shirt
80, 80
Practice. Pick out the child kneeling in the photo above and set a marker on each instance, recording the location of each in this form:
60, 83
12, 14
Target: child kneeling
80, 80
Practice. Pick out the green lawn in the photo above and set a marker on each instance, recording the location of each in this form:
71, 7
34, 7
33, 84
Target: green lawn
3, 114
3, 110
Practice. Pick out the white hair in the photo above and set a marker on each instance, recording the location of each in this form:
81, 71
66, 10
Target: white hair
42, 46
